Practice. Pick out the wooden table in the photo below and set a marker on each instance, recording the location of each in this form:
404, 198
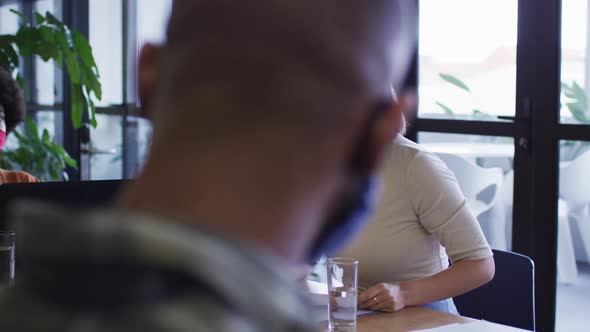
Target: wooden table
408, 319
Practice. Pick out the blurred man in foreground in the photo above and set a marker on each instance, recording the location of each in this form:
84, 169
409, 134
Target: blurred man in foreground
270, 119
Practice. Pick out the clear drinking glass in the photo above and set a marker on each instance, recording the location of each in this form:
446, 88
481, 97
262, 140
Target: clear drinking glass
7, 241
343, 290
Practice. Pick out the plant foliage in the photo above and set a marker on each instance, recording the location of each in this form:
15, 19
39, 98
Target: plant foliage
577, 103
37, 154
51, 39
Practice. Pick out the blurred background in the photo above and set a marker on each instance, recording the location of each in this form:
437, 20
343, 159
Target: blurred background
503, 86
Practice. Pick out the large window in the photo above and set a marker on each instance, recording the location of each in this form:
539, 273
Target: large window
467, 60
117, 32
504, 85
116, 29
574, 160
106, 38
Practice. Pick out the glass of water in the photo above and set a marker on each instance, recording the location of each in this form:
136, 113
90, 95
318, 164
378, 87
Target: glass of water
343, 290
7, 240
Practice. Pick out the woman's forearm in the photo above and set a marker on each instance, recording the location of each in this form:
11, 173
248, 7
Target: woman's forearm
460, 278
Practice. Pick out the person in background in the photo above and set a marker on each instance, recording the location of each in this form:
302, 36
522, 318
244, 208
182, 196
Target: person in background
12, 113
422, 219
271, 118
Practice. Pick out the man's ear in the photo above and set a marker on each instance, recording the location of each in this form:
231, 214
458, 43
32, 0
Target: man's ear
390, 123
147, 77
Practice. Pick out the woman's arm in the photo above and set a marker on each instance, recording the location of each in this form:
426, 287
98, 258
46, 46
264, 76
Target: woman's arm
460, 278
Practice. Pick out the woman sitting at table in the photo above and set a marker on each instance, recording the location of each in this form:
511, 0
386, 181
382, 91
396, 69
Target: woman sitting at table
422, 219
12, 113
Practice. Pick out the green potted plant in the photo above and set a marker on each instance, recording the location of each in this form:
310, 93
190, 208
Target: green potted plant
575, 102
50, 39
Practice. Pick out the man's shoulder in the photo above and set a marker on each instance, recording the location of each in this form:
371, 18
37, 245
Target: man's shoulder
130, 263
194, 312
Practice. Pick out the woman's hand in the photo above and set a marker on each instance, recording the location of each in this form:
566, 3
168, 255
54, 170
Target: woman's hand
382, 297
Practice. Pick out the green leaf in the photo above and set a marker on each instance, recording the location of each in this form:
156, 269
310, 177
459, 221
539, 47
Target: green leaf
32, 127
77, 105
53, 20
26, 37
91, 82
39, 19
53, 172
5, 62
48, 34
61, 150
22, 16
46, 51
578, 112
446, 109
569, 93
71, 162
577, 88
6, 40
580, 94
62, 42
58, 160
68, 160
59, 61
18, 135
91, 112
84, 49
73, 67
46, 138
12, 56
455, 81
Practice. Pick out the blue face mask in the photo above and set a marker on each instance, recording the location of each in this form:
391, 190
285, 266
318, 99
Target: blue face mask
347, 220
358, 200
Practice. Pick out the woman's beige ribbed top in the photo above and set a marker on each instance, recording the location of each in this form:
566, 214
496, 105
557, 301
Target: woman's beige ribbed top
421, 217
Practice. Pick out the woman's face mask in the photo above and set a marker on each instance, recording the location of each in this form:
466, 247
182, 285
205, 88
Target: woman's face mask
2, 129
358, 199
2, 139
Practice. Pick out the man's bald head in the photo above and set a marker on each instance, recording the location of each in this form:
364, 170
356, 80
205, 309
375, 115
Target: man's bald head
275, 110
276, 57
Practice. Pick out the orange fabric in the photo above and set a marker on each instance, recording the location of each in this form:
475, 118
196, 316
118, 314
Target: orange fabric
16, 177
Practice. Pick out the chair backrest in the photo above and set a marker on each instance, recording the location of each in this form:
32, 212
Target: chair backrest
474, 179
509, 298
75, 194
574, 180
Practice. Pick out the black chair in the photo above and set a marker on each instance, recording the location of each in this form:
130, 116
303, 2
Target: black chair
75, 194
509, 298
